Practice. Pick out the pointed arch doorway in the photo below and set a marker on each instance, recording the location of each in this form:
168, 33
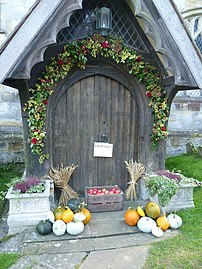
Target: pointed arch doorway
94, 105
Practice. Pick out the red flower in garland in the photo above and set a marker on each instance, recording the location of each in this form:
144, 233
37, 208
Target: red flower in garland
148, 94
163, 128
34, 140
45, 102
105, 44
60, 62
139, 59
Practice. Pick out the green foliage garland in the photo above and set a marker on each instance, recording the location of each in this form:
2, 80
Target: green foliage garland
75, 53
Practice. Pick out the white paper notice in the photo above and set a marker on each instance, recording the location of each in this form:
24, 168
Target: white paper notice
103, 149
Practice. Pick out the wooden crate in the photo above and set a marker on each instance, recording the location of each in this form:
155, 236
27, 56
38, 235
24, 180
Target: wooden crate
103, 203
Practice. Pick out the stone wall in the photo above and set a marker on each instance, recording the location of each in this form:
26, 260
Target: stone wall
11, 137
177, 140
185, 122
186, 112
11, 144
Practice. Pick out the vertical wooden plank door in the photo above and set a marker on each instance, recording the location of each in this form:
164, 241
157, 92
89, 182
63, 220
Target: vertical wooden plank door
94, 108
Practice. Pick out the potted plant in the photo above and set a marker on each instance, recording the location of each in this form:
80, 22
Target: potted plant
172, 191
28, 202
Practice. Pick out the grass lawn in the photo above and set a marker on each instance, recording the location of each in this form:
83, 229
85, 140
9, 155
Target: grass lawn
6, 173
185, 250
189, 165
6, 260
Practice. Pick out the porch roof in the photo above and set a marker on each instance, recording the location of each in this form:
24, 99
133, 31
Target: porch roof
159, 20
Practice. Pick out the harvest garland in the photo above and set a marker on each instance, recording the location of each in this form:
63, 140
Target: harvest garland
76, 53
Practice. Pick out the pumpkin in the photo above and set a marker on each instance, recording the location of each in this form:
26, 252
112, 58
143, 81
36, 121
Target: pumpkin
50, 216
163, 222
152, 210
174, 220
58, 212
59, 227
79, 217
75, 228
73, 204
44, 227
87, 213
145, 224
67, 215
131, 216
140, 211
157, 231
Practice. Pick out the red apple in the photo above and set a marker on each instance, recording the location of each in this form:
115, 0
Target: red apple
117, 191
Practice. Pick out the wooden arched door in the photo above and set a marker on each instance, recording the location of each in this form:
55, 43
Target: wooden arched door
93, 108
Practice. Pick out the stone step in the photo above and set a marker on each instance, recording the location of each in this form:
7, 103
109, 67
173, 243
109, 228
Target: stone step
91, 244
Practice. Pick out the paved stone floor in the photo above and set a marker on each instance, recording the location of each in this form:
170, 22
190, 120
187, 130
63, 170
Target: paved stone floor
106, 242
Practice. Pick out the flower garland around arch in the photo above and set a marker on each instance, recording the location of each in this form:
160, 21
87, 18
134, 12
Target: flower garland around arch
76, 53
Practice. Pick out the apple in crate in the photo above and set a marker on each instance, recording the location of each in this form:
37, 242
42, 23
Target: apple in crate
117, 191
103, 191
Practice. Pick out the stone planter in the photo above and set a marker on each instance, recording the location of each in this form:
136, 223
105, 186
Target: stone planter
183, 199
27, 209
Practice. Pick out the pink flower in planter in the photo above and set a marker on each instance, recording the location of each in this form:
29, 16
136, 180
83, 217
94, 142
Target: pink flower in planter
21, 186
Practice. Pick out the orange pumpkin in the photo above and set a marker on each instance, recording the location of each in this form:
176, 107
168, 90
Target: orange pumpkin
131, 216
87, 213
163, 222
58, 211
67, 215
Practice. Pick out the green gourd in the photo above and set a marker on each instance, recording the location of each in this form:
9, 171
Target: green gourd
73, 204
44, 227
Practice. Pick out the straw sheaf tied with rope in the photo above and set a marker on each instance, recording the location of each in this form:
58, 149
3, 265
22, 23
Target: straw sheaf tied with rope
61, 176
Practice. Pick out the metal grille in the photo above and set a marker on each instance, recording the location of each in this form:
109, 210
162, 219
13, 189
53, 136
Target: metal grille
82, 23
198, 41
191, 93
198, 38
194, 24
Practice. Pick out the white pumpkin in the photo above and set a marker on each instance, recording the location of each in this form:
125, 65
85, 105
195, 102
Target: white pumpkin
75, 228
50, 216
145, 224
174, 220
79, 217
59, 227
156, 231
